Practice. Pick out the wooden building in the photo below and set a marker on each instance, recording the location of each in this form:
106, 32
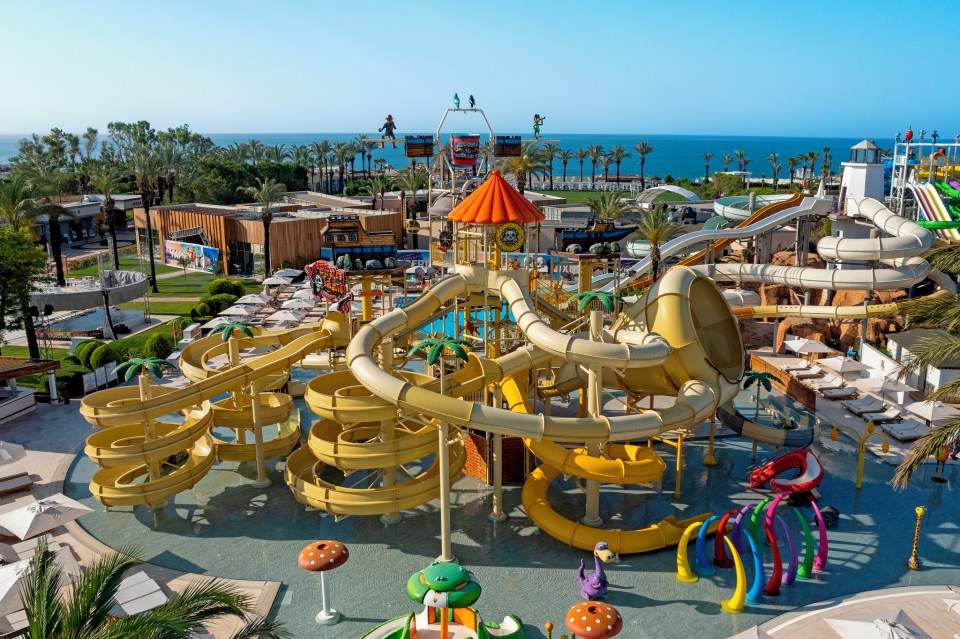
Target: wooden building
296, 232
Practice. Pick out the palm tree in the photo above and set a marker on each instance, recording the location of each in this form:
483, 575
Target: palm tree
278, 153
741, 157
564, 155
526, 164
726, 160
604, 162
300, 154
607, 204
378, 186
791, 167
803, 158
776, 176
412, 179
706, 166
83, 612
171, 163
267, 193
435, 346
342, 153
813, 157
773, 159
320, 152
594, 151
18, 208
147, 169
49, 182
106, 181
548, 153
760, 379
581, 155
656, 228
643, 149
587, 298
617, 155
255, 151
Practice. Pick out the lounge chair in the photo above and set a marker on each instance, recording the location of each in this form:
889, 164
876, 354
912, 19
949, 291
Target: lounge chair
865, 405
13, 478
826, 382
906, 431
137, 593
891, 414
810, 373
847, 392
793, 368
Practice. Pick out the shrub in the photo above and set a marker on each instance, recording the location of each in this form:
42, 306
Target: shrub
181, 323
157, 345
70, 378
238, 288
219, 302
220, 285
202, 309
85, 350
102, 355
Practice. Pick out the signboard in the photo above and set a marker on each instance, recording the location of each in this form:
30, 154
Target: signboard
198, 257
507, 146
418, 146
327, 278
464, 149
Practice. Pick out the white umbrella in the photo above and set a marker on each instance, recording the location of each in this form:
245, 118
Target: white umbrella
304, 294
276, 281
298, 304
932, 411
289, 272
10, 576
883, 385
40, 516
843, 364
803, 345
215, 322
285, 316
254, 299
10, 452
238, 311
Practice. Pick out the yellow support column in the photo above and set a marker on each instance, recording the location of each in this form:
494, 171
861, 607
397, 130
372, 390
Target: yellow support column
366, 299
676, 490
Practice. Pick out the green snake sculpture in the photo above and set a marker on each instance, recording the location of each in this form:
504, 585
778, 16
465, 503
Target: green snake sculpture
448, 592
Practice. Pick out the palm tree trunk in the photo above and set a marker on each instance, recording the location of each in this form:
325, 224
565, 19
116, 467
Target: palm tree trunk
618, 176
266, 247
551, 178
564, 172
56, 241
144, 197
655, 258
521, 182
593, 171
32, 345
643, 181
112, 227
581, 171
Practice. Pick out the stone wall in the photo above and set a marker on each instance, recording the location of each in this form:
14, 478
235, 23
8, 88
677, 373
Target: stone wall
479, 457
790, 385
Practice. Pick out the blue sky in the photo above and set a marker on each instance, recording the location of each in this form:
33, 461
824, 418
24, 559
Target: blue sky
811, 68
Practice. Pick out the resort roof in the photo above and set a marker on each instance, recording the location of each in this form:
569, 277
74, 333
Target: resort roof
667, 193
496, 202
13, 367
909, 340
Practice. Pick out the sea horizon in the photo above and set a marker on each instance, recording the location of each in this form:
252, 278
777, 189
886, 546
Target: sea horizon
680, 155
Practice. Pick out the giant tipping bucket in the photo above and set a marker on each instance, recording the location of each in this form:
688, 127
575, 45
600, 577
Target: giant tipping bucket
464, 149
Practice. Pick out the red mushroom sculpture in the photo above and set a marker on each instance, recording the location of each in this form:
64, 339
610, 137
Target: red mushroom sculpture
321, 556
594, 620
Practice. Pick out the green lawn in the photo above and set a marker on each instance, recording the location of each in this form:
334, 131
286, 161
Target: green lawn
127, 263
578, 197
22, 351
195, 285
161, 307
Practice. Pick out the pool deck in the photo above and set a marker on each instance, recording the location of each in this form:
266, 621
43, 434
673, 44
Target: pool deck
53, 436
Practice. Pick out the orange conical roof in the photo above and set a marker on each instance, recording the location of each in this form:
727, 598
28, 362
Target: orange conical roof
496, 202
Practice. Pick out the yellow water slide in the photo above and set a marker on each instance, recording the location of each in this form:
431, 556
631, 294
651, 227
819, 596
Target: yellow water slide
146, 457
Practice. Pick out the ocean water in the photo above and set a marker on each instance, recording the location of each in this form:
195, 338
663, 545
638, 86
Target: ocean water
678, 155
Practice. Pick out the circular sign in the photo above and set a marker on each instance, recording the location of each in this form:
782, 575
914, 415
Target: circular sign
510, 237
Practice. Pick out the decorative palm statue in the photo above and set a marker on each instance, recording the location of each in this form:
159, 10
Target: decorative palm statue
760, 379
586, 298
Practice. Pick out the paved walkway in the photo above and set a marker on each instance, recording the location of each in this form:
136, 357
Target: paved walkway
53, 435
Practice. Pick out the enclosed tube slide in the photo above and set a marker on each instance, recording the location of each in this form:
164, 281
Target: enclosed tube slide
809, 477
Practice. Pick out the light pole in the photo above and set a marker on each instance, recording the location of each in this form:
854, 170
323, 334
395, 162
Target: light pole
862, 439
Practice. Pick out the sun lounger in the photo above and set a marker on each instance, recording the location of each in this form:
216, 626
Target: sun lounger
815, 371
866, 405
137, 593
847, 392
13, 483
793, 368
906, 431
890, 415
827, 381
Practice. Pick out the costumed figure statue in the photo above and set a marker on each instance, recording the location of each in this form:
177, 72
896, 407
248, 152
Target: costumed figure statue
537, 123
898, 137
909, 136
456, 101
388, 128
595, 585
473, 103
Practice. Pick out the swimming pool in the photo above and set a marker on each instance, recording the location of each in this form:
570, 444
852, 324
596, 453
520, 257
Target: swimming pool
224, 526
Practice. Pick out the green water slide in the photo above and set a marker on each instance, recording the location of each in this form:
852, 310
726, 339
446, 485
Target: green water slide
947, 190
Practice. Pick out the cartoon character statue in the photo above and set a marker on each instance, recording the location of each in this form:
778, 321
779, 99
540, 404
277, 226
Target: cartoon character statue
473, 103
909, 136
923, 133
388, 128
537, 123
934, 136
898, 137
940, 455
456, 101
595, 585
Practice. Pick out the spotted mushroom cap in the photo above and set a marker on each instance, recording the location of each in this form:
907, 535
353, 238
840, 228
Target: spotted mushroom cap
323, 555
594, 620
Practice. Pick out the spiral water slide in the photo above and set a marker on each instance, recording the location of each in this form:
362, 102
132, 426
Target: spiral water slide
679, 339
768, 218
171, 430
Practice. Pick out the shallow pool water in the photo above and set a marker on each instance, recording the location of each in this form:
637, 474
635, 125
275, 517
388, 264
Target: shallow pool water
226, 527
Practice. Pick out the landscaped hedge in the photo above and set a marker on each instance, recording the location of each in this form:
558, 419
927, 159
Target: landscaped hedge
157, 345
103, 355
84, 350
219, 302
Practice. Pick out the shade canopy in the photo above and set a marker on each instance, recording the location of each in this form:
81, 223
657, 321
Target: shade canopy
289, 272
40, 516
496, 202
253, 299
298, 304
285, 316
932, 411
238, 311
843, 364
277, 281
10, 578
803, 345
324, 555
883, 385
304, 294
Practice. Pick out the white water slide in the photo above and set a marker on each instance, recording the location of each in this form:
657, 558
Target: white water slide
809, 206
